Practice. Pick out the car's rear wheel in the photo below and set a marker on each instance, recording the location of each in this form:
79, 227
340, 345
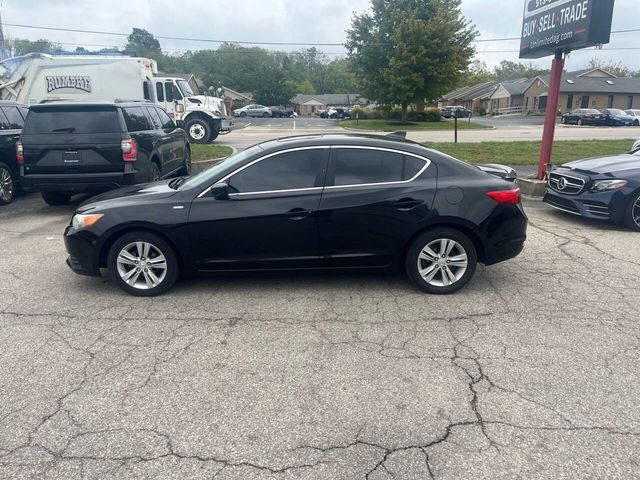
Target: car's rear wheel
441, 261
7, 185
265, 115
198, 131
56, 198
154, 172
142, 264
632, 213
636, 123
186, 167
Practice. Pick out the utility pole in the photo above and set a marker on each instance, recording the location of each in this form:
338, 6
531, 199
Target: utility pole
3, 46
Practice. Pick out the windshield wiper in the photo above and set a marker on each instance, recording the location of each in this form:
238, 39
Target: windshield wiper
67, 129
176, 182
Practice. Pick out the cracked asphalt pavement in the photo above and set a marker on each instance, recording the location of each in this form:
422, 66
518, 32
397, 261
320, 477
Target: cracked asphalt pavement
530, 372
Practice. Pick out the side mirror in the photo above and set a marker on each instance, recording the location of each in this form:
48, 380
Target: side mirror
220, 191
180, 123
219, 92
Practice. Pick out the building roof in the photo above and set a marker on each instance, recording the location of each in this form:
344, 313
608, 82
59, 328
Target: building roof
517, 87
474, 92
331, 99
578, 82
237, 95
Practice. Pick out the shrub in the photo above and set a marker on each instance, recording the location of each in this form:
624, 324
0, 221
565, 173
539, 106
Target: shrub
482, 111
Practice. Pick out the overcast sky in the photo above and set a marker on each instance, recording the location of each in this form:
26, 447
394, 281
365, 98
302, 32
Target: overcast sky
303, 21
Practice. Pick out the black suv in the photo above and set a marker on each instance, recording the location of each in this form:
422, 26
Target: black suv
69, 147
12, 117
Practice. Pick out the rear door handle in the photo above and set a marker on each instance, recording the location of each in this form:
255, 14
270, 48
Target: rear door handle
407, 203
298, 213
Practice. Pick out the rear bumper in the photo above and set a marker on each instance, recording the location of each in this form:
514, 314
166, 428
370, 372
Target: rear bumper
505, 233
76, 183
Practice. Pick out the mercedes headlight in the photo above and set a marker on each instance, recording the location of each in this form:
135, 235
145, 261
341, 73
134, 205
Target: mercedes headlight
606, 185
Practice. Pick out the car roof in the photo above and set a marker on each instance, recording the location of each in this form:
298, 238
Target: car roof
352, 139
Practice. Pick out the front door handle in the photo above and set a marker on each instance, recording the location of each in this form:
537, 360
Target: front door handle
407, 203
298, 213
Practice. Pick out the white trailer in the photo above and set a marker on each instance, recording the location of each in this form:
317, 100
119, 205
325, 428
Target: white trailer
37, 78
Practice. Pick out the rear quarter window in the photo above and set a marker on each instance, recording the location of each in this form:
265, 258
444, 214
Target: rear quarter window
14, 118
135, 119
72, 120
366, 166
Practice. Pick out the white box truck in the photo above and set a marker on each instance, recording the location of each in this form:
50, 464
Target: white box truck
37, 78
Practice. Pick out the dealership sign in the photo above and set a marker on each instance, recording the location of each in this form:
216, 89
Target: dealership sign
68, 84
551, 25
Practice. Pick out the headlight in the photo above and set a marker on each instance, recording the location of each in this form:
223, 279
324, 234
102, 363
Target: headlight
85, 221
605, 185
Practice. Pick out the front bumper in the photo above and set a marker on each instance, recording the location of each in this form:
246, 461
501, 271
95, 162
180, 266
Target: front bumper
82, 247
76, 183
597, 206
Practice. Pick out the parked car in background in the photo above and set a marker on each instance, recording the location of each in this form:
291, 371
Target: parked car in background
73, 147
602, 188
636, 116
615, 117
583, 116
451, 111
339, 113
321, 202
279, 111
12, 117
252, 111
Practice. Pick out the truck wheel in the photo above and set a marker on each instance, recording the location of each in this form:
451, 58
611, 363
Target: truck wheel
198, 131
56, 198
7, 185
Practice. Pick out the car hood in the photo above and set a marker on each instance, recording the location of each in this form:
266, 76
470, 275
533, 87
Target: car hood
612, 164
128, 195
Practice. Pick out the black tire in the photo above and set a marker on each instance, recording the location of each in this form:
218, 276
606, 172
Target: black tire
8, 185
185, 171
198, 131
243, 114
463, 246
636, 123
56, 198
563, 120
632, 213
140, 286
154, 172
265, 115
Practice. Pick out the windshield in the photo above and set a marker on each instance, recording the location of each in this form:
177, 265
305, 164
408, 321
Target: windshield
9, 66
206, 178
185, 88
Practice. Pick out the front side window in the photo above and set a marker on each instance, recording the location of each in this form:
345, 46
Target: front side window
167, 123
160, 92
169, 93
285, 171
364, 166
135, 119
155, 118
14, 117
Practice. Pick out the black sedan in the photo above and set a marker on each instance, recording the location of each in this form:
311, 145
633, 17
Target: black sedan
321, 202
606, 188
615, 117
584, 116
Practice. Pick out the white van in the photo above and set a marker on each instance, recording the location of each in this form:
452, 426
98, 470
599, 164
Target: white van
38, 78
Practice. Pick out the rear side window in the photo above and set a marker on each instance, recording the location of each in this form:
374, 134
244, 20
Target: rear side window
135, 119
4, 123
363, 166
13, 117
70, 120
286, 171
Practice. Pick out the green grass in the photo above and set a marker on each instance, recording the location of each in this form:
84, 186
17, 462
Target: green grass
392, 126
200, 153
528, 153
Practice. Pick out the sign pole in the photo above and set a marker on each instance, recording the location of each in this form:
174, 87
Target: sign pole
550, 116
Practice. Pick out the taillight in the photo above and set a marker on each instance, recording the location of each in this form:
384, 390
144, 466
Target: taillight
508, 197
20, 153
129, 150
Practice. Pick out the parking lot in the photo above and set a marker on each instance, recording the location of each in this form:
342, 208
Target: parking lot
530, 372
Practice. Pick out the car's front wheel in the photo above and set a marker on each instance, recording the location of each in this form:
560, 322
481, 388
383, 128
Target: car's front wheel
632, 213
56, 198
441, 261
7, 185
143, 264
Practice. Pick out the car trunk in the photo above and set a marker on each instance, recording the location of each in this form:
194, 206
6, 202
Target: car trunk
67, 141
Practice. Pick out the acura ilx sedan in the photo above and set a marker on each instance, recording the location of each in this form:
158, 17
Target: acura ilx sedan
325, 202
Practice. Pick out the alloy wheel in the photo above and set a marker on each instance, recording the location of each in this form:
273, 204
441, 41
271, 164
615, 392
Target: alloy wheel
635, 211
442, 262
7, 187
141, 265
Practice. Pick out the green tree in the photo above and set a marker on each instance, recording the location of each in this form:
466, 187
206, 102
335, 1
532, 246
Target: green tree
143, 43
511, 70
611, 66
22, 46
478, 73
273, 89
405, 51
